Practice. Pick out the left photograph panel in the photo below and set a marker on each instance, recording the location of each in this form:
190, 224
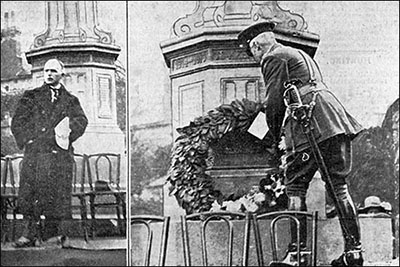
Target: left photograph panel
63, 133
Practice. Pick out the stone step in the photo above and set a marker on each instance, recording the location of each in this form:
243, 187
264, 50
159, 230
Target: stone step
99, 252
106, 226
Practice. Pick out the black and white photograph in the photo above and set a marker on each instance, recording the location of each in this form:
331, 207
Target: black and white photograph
63, 141
197, 133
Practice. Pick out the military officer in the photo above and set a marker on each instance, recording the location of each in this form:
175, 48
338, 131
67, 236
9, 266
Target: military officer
47, 120
333, 127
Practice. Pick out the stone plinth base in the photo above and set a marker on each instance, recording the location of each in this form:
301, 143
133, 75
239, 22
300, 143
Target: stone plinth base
72, 228
63, 257
376, 237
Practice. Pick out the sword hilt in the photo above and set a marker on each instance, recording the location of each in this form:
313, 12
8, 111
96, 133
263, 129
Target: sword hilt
291, 95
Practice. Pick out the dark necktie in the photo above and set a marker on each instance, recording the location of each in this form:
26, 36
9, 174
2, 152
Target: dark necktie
54, 94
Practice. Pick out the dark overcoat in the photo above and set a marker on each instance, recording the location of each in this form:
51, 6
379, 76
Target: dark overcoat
329, 118
46, 174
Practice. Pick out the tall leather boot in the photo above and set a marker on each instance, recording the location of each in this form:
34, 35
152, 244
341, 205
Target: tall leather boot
297, 203
352, 255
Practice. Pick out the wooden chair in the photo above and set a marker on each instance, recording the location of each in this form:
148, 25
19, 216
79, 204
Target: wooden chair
275, 217
4, 173
104, 183
147, 221
80, 187
205, 218
10, 171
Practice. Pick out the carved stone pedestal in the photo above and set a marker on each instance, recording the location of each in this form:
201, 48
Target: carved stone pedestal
208, 68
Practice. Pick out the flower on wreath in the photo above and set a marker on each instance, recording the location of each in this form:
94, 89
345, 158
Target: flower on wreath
282, 148
273, 187
252, 201
269, 195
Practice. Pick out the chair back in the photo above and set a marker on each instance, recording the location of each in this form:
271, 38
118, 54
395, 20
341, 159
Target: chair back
4, 174
104, 171
292, 217
11, 166
79, 180
223, 216
147, 220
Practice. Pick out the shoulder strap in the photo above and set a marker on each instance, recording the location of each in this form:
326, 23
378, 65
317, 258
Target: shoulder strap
309, 66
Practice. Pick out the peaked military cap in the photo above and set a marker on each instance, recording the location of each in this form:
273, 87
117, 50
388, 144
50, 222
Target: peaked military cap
252, 31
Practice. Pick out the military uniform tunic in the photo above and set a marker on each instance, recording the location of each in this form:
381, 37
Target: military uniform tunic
329, 119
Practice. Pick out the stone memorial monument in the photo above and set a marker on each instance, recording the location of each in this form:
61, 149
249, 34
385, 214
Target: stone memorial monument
208, 69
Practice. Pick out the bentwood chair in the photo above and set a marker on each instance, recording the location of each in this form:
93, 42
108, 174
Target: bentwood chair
148, 222
10, 171
224, 218
104, 188
80, 186
286, 218
4, 173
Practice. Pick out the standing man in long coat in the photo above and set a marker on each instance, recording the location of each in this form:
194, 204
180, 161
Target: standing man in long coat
333, 127
47, 120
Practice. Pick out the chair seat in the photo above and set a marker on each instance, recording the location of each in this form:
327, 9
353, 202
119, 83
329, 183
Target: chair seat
103, 187
100, 193
108, 204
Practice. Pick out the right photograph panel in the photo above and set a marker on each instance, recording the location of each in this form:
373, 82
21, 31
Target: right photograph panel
261, 129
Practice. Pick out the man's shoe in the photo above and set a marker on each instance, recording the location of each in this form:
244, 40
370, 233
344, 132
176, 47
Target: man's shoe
64, 241
24, 242
60, 240
349, 258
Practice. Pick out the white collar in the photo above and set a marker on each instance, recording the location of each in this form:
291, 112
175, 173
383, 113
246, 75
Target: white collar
58, 86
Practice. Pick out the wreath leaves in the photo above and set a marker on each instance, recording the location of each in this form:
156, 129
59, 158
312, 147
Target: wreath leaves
191, 154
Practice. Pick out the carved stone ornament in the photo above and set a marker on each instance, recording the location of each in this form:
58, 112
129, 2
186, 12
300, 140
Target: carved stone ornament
40, 39
71, 22
104, 37
223, 14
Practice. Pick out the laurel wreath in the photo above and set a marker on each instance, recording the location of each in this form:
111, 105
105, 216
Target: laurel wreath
191, 154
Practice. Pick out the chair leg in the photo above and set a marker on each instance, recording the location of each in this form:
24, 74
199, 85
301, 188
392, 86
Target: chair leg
119, 221
118, 203
15, 211
84, 218
4, 231
92, 214
124, 214
14, 221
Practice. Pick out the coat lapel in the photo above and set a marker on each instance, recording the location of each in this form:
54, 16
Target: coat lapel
43, 99
59, 111
56, 110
